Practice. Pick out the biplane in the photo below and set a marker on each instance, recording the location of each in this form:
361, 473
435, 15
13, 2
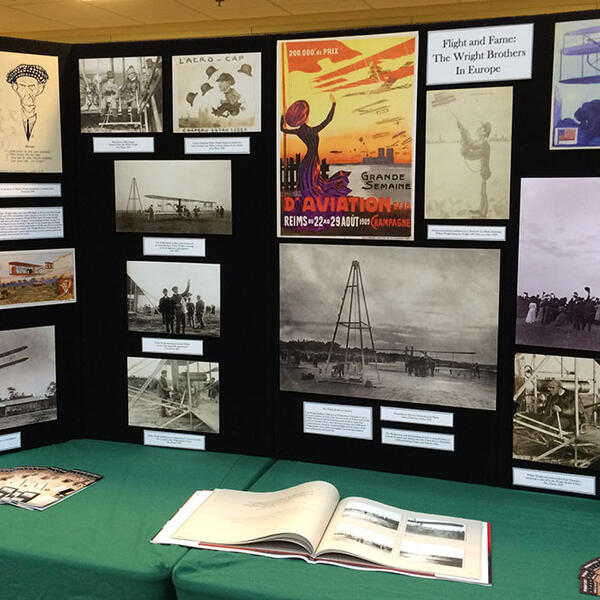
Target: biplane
9, 358
179, 207
374, 107
423, 363
585, 44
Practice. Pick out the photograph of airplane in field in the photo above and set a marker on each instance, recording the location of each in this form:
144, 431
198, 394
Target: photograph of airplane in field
173, 196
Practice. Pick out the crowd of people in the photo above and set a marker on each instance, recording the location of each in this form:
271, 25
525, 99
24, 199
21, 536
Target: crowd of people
580, 311
180, 310
186, 213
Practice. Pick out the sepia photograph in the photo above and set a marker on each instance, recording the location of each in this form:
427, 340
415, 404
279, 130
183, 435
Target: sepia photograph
351, 533
27, 376
173, 196
558, 290
441, 529
121, 94
467, 153
174, 298
373, 514
217, 93
555, 410
415, 325
30, 133
575, 120
448, 556
37, 277
173, 394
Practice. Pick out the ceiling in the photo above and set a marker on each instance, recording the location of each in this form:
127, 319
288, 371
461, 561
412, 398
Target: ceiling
113, 20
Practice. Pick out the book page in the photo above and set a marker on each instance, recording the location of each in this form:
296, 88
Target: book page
405, 540
233, 517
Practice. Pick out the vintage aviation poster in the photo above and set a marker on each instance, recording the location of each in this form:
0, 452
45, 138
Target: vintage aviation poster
217, 93
575, 121
29, 114
345, 136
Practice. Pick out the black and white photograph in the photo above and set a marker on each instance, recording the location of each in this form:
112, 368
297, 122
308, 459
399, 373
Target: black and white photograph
558, 293
173, 394
373, 514
415, 325
171, 298
351, 533
121, 94
27, 377
555, 410
217, 93
441, 529
448, 556
173, 196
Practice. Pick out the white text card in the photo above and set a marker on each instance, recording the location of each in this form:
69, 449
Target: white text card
473, 233
123, 144
420, 417
31, 223
169, 346
559, 482
168, 439
217, 145
418, 439
339, 420
158, 246
30, 190
10, 441
478, 54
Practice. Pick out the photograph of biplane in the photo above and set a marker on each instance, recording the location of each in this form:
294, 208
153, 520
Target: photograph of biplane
171, 298
37, 277
555, 410
575, 121
415, 325
173, 196
121, 94
558, 287
27, 376
173, 394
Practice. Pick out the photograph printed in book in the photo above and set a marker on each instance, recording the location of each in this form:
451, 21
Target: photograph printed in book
27, 376
558, 293
121, 94
555, 410
345, 136
37, 277
30, 134
174, 298
164, 393
217, 93
467, 153
173, 196
415, 325
575, 121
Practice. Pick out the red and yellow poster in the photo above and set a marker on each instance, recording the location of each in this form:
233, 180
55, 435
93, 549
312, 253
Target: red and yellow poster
346, 121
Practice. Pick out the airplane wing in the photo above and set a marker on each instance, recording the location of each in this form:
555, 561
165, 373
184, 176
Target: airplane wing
175, 199
13, 351
14, 362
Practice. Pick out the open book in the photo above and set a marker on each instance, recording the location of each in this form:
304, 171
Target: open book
309, 521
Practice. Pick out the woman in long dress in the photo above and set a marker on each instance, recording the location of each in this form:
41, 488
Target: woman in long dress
310, 182
530, 318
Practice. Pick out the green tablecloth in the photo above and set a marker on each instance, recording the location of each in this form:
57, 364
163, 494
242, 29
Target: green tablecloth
96, 544
538, 543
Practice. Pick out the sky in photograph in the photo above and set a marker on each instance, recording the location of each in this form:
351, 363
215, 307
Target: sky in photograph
432, 298
33, 375
559, 241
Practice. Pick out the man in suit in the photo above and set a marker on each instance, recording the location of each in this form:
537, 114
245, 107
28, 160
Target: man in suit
561, 402
179, 307
164, 392
166, 309
200, 306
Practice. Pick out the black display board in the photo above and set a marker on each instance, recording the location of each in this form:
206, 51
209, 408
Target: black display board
257, 418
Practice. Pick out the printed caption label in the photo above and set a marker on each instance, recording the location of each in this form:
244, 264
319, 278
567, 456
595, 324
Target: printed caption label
166, 439
216, 145
169, 346
466, 232
30, 190
418, 439
10, 441
478, 54
560, 482
123, 144
339, 420
157, 246
31, 223
419, 417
